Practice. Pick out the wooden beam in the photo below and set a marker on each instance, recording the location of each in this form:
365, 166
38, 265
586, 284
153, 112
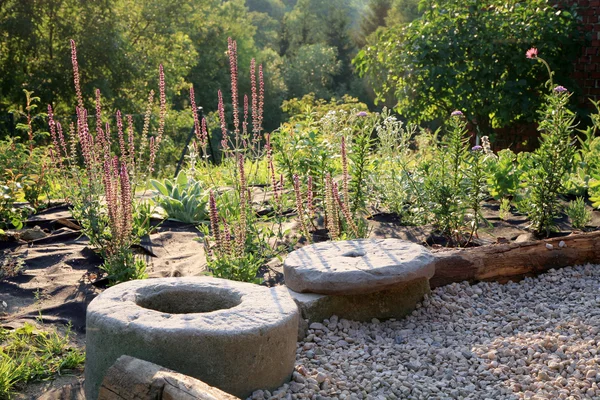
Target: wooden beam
513, 261
134, 379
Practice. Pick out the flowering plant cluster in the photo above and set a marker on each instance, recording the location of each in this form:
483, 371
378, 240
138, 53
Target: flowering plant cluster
446, 181
238, 241
102, 190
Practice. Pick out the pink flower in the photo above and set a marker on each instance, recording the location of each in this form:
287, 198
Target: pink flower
457, 113
531, 53
560, 89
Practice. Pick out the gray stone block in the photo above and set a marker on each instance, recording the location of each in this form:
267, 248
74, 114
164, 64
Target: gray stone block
356, 266
238, 337
393, 303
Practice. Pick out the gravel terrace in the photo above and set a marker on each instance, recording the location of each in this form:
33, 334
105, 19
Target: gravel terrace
535, 339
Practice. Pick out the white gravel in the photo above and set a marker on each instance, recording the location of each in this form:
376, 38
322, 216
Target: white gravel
536, 339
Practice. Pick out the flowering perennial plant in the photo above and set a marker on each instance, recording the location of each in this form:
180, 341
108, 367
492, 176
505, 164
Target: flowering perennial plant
238, 241
102, 191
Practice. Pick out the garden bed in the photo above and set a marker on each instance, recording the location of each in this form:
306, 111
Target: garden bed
59, 273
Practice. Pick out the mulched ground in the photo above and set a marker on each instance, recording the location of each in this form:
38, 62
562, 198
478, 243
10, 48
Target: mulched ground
60, 274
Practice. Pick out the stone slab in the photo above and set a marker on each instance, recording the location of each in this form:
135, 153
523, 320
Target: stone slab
356, 266
392, 303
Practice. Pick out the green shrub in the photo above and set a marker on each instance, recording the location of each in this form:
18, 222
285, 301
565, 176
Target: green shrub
467, 54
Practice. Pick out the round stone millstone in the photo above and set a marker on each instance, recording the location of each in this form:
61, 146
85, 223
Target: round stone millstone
356, 266
238, 337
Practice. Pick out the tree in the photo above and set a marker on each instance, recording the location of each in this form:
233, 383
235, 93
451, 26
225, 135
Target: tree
402, 12
470, 55
374, 16
34, 47
311, 70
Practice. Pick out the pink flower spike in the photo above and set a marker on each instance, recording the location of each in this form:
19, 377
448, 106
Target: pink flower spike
531, 53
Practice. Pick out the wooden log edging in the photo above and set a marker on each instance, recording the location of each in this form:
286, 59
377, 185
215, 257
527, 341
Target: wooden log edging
512, 261
133, 379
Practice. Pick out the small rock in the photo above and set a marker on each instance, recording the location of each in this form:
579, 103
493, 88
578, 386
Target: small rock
543, 376
317, 326
591, 374
321, 377
32, 234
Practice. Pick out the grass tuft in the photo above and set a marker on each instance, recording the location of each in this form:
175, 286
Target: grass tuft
28, 355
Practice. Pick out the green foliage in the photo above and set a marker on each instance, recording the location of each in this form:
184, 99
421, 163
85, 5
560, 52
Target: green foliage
183, 198
445, 178
239, 267
504, 175
308, 145
470, 55
403, 12
309, 108
28, 355
374, 16
550, 164
504, 211
311, 70
578, 214
239, 242
122, 266
303, 151
25, 164
392, 179
426, 180
10, 215
589, 158
361, 165
476, 192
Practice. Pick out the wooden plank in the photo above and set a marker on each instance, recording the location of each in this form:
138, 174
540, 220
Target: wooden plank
513, 261
134, 379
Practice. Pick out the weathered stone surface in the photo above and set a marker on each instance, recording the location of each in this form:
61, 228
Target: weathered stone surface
392, 303
235, 336
356, 266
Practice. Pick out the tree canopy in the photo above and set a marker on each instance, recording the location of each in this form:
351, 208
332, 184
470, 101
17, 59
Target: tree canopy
470, 55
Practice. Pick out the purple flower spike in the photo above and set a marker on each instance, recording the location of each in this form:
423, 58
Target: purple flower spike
457, 113
361, 114
560, 89
477, 148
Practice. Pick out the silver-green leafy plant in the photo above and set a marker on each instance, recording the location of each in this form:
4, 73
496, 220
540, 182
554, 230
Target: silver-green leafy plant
183, 198
391, 176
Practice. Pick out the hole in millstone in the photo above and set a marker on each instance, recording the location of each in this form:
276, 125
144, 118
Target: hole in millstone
173, 300
354, 253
